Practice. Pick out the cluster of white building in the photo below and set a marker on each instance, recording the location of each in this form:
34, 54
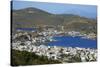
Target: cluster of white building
53, 52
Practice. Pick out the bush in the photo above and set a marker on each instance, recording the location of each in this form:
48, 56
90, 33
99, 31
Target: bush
28, 58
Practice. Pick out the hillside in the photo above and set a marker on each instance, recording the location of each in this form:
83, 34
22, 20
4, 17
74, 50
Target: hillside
30, 17
27, 58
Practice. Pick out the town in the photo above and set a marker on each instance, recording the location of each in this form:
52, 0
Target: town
37, 42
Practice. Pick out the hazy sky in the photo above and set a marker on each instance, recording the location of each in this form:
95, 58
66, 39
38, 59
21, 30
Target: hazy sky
58, 8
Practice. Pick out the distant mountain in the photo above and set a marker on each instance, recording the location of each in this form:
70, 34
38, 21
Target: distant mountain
30, 17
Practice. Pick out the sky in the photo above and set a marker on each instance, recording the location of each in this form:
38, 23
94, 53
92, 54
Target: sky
89, 11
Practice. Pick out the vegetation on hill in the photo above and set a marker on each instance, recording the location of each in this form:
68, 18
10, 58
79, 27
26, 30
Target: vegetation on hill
30, 17
28, 58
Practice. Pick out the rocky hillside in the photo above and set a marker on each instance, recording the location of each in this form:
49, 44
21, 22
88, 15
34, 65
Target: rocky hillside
30, 17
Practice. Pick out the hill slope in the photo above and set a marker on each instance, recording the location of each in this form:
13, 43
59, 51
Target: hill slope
30, 17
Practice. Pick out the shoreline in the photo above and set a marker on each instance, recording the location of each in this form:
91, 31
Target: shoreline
36, 43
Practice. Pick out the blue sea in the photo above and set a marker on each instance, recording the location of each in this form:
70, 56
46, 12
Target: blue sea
69, 41
26, 29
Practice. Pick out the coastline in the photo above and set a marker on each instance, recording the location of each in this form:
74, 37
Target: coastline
37, 42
